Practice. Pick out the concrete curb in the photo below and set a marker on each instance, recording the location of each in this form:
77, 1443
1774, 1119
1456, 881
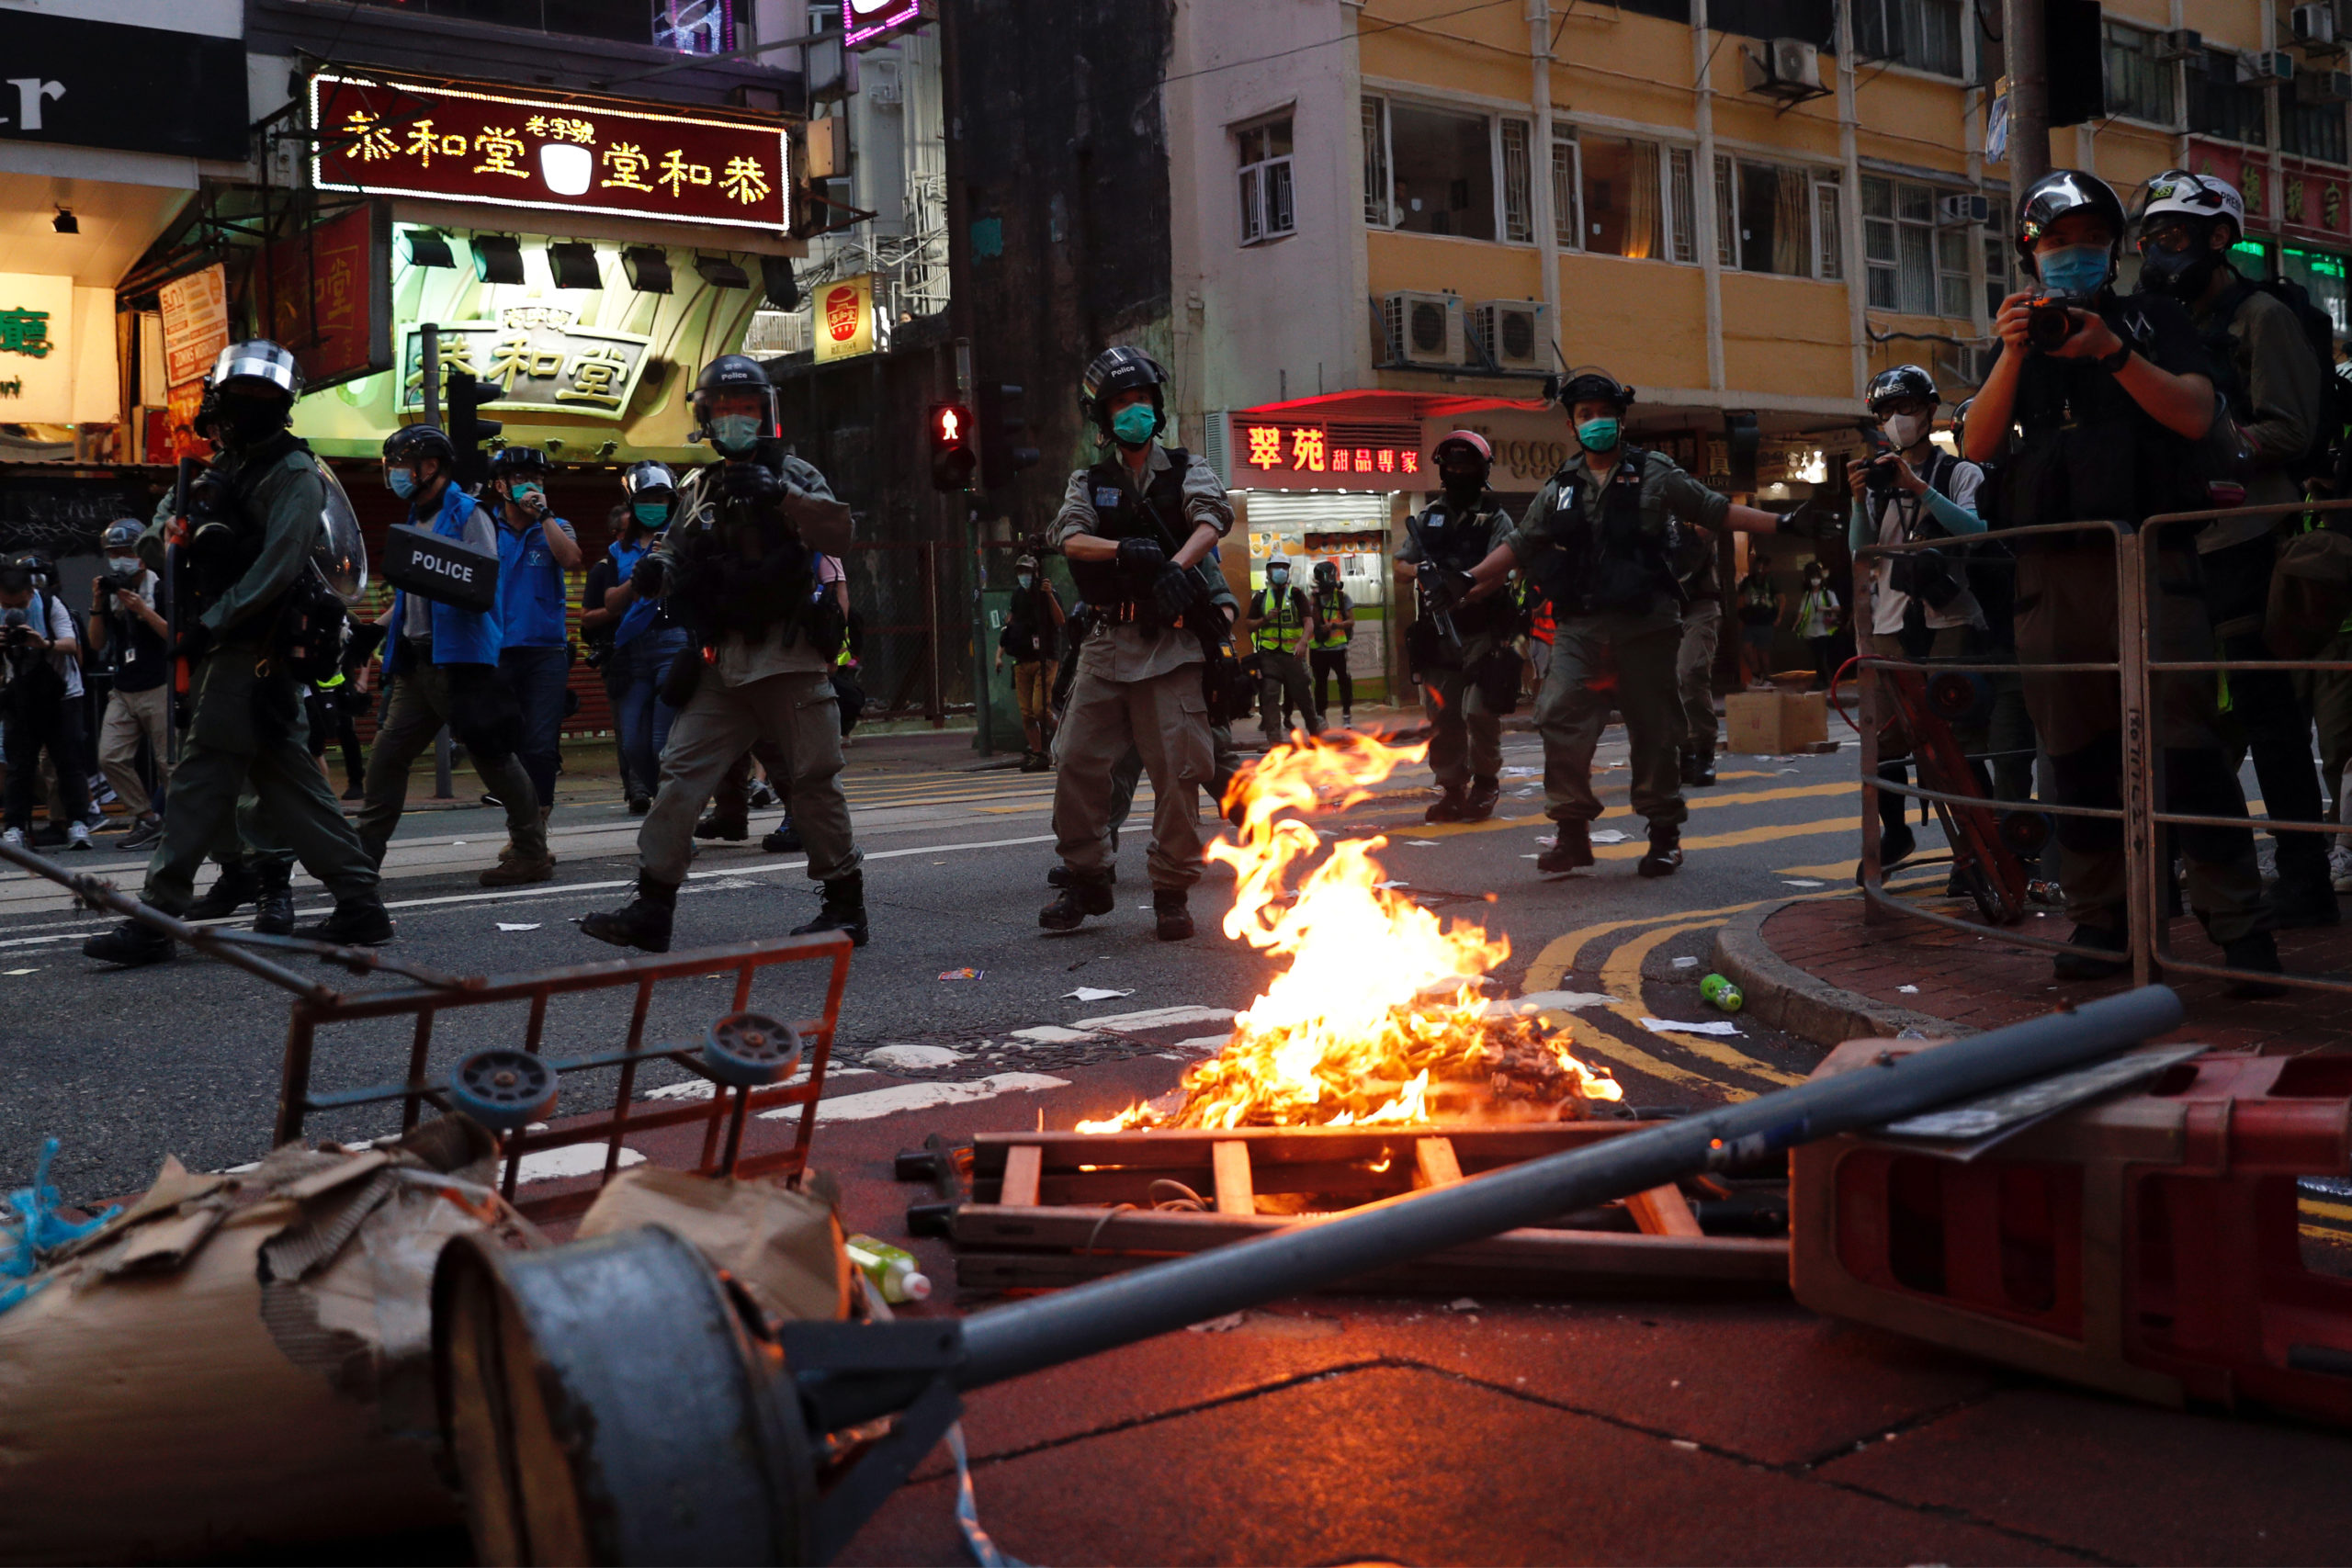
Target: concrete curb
1784, 997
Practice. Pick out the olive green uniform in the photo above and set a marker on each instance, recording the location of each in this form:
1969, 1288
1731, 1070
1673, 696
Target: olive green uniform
1465, 733
1638, 643
1129, 772
246, 730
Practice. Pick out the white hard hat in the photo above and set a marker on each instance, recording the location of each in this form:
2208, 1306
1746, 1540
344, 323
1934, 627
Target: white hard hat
2193, 196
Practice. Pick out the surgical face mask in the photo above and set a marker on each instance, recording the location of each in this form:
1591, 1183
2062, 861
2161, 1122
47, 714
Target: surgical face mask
1026, 582
651, 514
401, 482
125, 570
1278, 575
735, 433
1134, 424
2079, 271
1599, 435
524, 492
1903, 430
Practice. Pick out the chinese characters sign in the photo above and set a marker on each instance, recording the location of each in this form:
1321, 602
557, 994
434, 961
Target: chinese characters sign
843, 319
37, 349
331, 296
535, 353
24, 330
196, 325
1284, 454
872, 21
409, 139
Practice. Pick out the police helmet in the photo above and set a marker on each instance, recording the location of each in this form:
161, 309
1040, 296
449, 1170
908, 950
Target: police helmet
514, 462
1468, 441
415, 442
642, 479
122, 533
2178, 213
257, 363
1590, 385
736, 373
1902, 381
1116, 370
2060, 193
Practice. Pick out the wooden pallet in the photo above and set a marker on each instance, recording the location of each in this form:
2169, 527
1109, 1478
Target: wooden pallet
1046, 1209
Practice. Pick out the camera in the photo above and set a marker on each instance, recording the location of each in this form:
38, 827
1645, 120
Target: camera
2050, 322
211, 519
16, 629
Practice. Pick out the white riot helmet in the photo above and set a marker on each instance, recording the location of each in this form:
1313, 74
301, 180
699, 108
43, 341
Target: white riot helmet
2178, 212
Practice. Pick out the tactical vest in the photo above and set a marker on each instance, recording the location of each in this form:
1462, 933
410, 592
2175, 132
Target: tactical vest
1449, 538
211, 575
1335, 614
1612, 566
1282, 631
720, 592
1120, 513
2088, 451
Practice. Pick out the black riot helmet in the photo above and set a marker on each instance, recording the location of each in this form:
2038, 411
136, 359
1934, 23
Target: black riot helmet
1116, 370
519, 462
1590, 385
732, 378
1327, 576
254, 384
415, 442
1899, 383
2063, 192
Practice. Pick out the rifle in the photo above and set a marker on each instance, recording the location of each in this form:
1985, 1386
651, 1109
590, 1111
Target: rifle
1439, 615
175, 586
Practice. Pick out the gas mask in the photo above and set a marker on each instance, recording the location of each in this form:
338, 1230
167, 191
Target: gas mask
2078, 272
1903, 431
2180, 260
1134, 424
734, 434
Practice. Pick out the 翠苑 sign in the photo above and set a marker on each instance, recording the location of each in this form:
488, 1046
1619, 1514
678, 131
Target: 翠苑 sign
397, 137
538, 356
91, 84
1280, 454
843, 322
875, 21
331, 296
36, 349
195, 324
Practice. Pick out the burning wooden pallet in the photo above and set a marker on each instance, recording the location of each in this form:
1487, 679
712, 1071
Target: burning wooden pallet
1051, 1209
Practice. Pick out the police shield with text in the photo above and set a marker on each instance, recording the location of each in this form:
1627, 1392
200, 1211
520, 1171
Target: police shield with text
248, 542
1461, 653
1131, 527
2109, 397
737, 566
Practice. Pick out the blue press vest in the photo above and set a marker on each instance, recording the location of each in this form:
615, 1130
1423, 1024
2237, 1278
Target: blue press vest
460, 636
531, 598
641, 613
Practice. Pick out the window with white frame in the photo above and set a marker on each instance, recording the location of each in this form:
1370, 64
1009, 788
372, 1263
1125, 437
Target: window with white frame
1620, 196
1776, 218
2138, 83
1432, 169
1922, 34
1918, 264
1267, 211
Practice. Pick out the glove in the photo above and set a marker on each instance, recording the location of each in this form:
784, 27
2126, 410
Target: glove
1141, 559
195, 642
750, 482
1443, 589
651, 571
1173, 590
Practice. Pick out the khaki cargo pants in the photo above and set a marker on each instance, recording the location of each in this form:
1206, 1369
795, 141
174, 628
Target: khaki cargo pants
1628, 659
799, 715
1166, 718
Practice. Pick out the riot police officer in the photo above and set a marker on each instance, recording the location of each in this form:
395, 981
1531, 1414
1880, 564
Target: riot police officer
738, 566
1131, 527
1470, 679
250, 537
1599, 539
1326, 653
2107, 417
1281, 623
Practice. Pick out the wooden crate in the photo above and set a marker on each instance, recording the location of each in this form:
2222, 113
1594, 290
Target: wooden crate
1045, 1209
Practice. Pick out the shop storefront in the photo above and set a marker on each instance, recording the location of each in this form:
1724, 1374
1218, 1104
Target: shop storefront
2299, 219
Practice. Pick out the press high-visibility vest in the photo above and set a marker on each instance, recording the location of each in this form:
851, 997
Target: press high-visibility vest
1337, 616
1284, 631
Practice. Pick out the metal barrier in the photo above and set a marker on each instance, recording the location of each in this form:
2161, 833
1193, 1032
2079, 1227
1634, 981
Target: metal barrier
317, 1005
2136, 667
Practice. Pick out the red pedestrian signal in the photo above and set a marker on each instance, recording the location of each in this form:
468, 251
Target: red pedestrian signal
952, 460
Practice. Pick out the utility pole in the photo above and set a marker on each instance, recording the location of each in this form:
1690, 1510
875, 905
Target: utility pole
2025, 39
962, 517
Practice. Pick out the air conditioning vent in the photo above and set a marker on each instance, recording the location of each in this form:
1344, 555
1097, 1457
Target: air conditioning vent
2323, 86
1424, 329
1512, 331
2314, 25
1962, 208
2180, 43
1784, 68
2262, 69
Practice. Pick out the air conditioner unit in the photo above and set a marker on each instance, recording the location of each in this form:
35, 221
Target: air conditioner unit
1961, 208
2262, 69
2180, 43
1784, 68
1424, 329
2323, 86
1512, 331
2314, 24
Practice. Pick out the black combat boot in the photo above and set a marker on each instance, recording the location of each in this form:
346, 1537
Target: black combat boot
1666, 852
1480, 804
1081, 895
1702, 768
1059, 876
1172, 908
2101, 939
734, 830
843, 911
130, 944
355, 922
1449, 806
235, 888
2253, 955
644, 921
783, 840
274, 899
1570, 851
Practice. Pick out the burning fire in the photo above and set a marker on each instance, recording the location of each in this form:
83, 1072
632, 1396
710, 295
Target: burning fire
1380, 1008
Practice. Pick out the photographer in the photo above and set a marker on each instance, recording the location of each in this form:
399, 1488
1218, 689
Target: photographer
535, 548
640, 638
2109, 396
738, 566
40, 704
1033, 630
127, 629
1920, 605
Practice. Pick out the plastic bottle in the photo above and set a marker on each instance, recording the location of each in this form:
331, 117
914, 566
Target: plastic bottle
1721, 992
893, 1269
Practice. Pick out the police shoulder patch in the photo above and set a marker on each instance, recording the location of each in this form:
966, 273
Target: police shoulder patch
1108, 495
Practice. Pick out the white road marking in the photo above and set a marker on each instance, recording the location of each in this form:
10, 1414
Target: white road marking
913, 1058
577, 1159
702, 1089
1202, 1044
891, 1102
1047, 1034
1157, 1018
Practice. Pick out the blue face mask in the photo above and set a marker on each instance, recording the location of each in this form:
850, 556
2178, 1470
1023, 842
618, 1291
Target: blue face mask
2076, 270
1598, 434
651, 514
1134, 424
736, 433
1026, 582
403, 482
524, 491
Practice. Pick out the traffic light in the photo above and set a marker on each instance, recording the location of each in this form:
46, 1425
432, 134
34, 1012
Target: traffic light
952, 456
1005, 448
464, 397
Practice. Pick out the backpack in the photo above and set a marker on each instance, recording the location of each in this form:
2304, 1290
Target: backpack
2311, 593
2334, 393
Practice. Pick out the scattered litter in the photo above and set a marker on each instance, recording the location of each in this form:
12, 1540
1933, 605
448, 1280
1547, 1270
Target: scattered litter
1685, 1444
457, 843
1802, 882
1462, 1303
518, 925
1547, 1002
1686, 963
35, 1227
1216, 1325
1422, 843
1530, 857
1909, 990
1610, 836
1668, 1026
1722, 993
961, 974
1055, 1034
13, 971
912, 1058
1083, 994
1392, 882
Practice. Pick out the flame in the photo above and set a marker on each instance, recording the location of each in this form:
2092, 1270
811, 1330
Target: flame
1379, 1007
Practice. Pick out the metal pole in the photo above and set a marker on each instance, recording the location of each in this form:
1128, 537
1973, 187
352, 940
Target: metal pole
2024, 46
1010, 1341
431, 371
